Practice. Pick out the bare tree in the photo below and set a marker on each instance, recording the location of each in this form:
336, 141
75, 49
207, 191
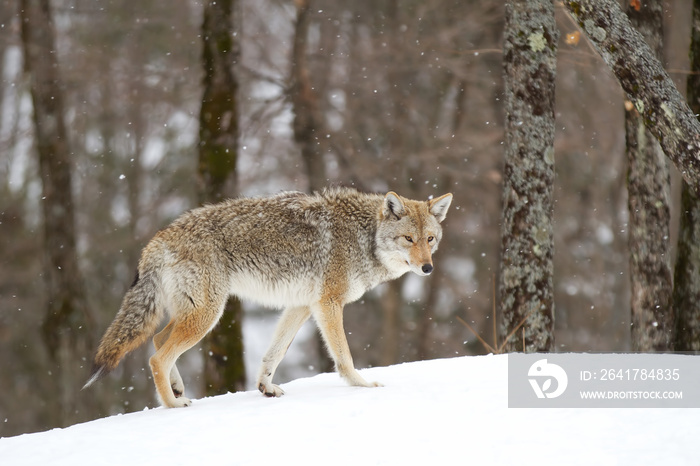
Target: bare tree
527, 248
648, 184
67, 323
307, 125
686, 291
218, 151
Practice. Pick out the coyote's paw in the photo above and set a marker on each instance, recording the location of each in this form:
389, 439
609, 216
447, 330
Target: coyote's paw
178, 389
270, 390
355, 379
180, 402
368, 384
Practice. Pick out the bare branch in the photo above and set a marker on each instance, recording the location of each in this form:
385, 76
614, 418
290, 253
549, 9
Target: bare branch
644, 80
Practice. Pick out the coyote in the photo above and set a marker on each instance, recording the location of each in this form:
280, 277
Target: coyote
307, 254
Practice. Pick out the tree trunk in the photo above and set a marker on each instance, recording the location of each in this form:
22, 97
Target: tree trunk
218, 150
398, 166
525, 280
307, 120
686, 291
391, 318
648, 185
307, 126
66, 327
647, 85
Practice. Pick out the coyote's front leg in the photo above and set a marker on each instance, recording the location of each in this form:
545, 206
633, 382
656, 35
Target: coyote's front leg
329, 317
289, 324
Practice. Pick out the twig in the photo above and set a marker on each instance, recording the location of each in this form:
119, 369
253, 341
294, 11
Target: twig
500, 348
513, 332
493, 308
483, 342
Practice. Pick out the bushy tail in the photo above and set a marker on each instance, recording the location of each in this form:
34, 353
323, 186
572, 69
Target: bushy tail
137, 320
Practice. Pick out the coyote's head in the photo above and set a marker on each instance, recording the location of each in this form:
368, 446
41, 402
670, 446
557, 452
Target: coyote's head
409, 232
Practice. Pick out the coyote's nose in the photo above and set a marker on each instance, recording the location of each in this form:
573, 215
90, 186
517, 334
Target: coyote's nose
427, 268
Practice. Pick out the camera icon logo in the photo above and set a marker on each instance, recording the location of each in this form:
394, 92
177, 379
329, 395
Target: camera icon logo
541, 374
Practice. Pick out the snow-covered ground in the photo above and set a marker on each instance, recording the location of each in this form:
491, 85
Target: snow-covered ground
448, 411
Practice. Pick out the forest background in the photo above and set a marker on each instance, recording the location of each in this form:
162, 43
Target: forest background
409, 98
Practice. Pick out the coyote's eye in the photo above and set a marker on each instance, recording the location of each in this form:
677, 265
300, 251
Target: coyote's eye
408, 238
431, 239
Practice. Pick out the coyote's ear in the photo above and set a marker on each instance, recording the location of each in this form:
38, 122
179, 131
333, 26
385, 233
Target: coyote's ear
439, 206
393, 207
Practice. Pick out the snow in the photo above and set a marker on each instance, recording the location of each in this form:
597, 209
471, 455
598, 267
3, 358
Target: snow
447, 411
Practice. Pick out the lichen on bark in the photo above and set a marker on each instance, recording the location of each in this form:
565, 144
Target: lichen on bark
525, 279
644, 80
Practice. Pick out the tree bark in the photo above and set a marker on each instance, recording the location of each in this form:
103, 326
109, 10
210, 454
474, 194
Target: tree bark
525, 279
398, 168
218, 152
644, 80
307, 123
391, 322
648, 185
67, 324
686, 291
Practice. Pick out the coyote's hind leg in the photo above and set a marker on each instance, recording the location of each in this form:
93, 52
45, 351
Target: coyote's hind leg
176, 382
185, 331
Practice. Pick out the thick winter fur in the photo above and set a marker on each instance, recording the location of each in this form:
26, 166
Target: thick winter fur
308, 255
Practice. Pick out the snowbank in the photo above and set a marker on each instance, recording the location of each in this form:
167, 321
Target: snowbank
449, 411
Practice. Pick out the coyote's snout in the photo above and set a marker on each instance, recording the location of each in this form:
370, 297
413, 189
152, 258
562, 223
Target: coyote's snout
307, 254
